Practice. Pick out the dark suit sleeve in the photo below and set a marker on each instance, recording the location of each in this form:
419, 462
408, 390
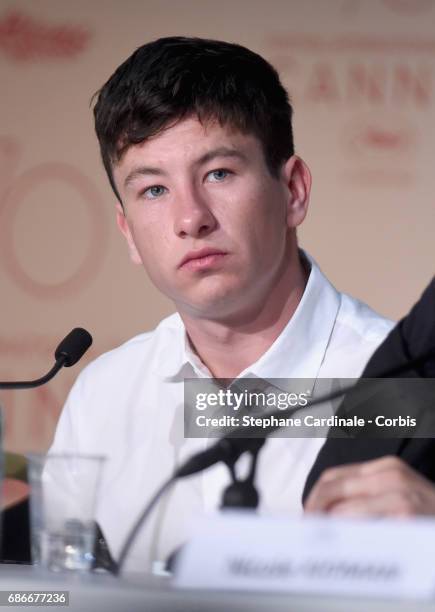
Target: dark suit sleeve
413, 336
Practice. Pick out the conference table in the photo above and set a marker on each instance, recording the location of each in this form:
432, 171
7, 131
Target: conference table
138, 592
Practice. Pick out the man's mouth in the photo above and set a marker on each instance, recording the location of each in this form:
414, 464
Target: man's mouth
202, 259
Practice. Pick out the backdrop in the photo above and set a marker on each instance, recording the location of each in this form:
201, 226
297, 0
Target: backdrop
361, 78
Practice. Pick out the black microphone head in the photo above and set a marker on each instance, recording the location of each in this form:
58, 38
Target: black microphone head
73, 346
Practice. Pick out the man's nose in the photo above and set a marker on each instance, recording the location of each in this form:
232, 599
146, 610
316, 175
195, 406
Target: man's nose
193, 216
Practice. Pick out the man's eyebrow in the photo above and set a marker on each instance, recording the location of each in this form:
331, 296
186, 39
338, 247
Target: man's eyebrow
220, 152
207, 157
142, 171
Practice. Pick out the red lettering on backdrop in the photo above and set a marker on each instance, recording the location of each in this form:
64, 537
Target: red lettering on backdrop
382, 139
365, 83
380, 77
378, 80
372, 136
24, 38
13, 196
410, 85
323, 85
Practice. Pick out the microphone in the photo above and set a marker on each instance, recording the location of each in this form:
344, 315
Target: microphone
73, 346
70, 350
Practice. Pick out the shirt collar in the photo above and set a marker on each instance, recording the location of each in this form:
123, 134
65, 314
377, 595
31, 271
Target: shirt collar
299, 350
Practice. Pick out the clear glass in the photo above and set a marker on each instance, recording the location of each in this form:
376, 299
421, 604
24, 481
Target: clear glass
64, 491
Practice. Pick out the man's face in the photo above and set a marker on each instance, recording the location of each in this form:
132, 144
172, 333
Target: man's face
204, 216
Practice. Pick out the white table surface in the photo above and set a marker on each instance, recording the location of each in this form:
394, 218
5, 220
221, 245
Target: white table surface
136, 592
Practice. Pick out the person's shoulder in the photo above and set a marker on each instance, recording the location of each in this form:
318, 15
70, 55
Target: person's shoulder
357, 333
357, 318
142, 349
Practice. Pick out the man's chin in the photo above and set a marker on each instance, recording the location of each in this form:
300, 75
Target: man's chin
216, 306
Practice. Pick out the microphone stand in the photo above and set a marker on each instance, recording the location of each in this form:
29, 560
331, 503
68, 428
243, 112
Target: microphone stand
30, 384
68, 352
242, 493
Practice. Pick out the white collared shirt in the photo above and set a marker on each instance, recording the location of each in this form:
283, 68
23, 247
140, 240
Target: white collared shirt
128, 406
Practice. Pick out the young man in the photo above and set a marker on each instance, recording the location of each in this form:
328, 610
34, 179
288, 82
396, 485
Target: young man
196, 139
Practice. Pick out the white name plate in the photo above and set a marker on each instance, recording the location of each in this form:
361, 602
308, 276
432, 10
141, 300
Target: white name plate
390, 558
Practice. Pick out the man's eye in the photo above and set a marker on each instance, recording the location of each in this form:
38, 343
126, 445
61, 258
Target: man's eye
151, 193
217, 175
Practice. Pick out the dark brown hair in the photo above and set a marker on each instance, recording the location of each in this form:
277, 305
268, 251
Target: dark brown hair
173, 78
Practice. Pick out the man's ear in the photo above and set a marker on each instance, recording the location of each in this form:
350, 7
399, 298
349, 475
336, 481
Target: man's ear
121, 221
298, 180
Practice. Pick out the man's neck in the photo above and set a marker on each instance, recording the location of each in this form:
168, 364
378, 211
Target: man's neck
227, 348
